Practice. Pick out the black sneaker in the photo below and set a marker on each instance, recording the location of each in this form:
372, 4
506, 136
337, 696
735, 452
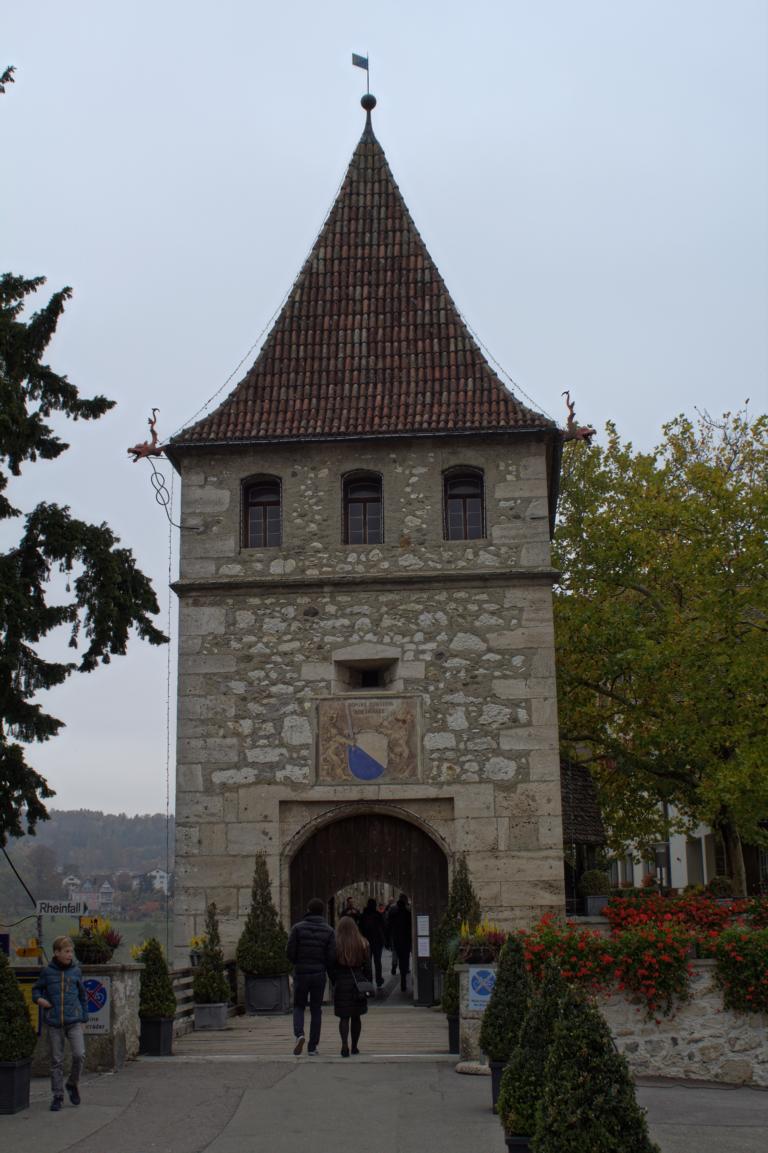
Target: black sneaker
344, 1051
297, 1048
56, 1104
74, 1094
313, 1052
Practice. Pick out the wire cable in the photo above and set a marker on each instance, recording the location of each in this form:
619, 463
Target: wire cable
19, 877
168, 739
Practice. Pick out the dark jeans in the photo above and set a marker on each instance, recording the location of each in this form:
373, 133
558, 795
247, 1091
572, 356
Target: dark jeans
376, 958
308, 987
403, 957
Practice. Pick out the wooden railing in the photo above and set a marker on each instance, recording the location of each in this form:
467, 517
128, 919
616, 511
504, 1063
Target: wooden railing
183, 1022
185, 1010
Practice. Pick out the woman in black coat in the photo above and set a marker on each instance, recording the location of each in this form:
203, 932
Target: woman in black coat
352, 959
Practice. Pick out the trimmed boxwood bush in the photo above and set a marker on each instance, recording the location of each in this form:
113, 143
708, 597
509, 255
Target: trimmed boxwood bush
522, 1081
588, 1101
17, 1037
508, 1004
261, 950
209, 984
156, 995
463, 905
594, 883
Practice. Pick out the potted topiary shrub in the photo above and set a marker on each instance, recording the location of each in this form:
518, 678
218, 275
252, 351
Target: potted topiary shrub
588, 1097
506, 1010
210, 988
595, 888
522, 1079
261, 950
463, 907
17, 1042
157, 1002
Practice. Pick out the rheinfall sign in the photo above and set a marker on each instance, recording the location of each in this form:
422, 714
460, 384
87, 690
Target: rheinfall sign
61, 908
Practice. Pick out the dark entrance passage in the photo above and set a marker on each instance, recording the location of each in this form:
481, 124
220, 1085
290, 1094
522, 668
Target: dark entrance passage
373, 847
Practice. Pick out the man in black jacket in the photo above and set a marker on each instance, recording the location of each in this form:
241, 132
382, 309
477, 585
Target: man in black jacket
312, 952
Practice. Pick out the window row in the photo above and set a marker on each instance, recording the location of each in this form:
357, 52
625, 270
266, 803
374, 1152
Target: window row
362, 507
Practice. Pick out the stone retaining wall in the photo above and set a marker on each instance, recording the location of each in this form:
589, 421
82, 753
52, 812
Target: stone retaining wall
702, 1041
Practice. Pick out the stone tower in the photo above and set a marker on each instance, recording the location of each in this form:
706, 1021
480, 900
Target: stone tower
366, 671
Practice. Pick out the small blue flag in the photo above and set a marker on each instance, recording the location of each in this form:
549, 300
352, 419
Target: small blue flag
360, 61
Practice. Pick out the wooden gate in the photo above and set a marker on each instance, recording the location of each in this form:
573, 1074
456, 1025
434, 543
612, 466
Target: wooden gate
371, 847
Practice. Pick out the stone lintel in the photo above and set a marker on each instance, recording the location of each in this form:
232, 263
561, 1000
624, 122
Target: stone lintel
543, 575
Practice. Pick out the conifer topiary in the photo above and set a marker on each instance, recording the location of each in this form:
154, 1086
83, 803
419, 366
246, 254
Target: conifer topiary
209, 984
263, 941
17, 1037
156, 995
463, 905
588, 1101
522, 1081
508, 1004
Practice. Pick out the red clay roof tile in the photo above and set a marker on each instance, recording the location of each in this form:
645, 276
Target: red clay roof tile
369, 341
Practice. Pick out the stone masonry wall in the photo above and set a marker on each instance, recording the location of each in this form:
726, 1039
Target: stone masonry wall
265, 633
701, 1041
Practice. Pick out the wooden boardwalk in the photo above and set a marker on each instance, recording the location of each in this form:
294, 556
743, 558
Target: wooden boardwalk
389, 1032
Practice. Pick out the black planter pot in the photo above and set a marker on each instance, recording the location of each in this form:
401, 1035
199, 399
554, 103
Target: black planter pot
497, 1068
454, 1035
517, 1143
267, 994
14, 1085
156, 1036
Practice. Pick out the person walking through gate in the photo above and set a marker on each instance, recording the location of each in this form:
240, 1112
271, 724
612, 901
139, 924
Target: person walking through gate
400, 933
371, 925
352, 965
312, 951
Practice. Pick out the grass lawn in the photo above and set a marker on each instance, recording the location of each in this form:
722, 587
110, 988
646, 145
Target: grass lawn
134, 932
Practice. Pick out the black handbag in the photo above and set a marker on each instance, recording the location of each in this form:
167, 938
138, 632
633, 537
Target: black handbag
365, 988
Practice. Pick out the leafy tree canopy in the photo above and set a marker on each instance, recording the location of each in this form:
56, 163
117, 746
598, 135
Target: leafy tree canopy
107, 594
661, 627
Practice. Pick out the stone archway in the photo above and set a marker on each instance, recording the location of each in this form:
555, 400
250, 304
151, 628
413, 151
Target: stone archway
375, 847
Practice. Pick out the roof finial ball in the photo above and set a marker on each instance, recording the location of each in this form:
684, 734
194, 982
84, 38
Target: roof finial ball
368, 102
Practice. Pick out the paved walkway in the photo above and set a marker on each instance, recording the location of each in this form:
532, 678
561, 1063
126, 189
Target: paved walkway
242, 1091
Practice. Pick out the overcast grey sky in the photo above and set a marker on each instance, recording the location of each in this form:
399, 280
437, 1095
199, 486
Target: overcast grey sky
590, 178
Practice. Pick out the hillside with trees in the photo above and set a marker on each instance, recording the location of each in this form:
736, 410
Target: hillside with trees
87, 843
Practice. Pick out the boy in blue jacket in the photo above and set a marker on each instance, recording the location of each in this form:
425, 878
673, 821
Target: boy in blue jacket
60, 991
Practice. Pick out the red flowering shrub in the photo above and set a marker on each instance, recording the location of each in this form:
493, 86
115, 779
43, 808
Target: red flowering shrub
629, 912
584, 957
648, 962
652, 964
742, 969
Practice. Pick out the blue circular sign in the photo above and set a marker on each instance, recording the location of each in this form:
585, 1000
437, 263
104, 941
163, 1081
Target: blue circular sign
482, 982
95, 994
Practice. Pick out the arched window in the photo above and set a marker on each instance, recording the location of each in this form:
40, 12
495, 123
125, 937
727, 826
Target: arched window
463, 505
362, 509
262, 521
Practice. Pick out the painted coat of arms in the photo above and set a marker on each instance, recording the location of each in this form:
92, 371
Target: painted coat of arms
367, 739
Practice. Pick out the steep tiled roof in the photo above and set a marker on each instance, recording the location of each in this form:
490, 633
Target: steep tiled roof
369, 341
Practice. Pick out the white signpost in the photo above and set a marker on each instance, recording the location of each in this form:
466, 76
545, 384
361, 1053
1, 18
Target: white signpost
61, 908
